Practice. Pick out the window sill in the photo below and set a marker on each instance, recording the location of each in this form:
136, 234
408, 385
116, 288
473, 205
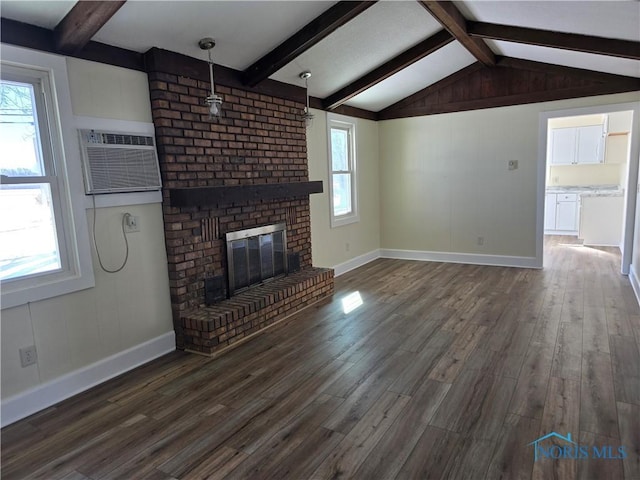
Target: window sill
40, 288
344, 220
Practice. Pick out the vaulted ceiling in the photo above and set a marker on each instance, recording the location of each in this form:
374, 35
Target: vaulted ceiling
393, 58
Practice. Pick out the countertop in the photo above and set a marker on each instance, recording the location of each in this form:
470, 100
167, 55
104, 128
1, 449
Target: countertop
589, 190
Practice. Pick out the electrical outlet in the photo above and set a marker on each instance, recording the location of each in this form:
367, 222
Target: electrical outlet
28, 356
513, 164
131, 223
481, 241
347, 247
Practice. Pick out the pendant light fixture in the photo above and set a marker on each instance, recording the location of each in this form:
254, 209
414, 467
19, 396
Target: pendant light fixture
213, 101
307, 115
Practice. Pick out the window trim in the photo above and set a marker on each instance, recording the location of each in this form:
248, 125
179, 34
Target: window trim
345, 123
78, 274
41, 86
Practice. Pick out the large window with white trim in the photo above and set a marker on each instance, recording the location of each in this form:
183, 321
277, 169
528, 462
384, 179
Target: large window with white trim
30, 231
44, 243
343, 179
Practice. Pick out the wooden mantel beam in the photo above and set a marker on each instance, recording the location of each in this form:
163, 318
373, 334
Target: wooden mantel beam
567, 41
303, 39
450, 18
82, 22
391, 67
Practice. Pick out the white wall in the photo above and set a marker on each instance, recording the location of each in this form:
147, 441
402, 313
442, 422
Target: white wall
332, 247
123, 310
99, 90
582, 175
634, 271
446, 182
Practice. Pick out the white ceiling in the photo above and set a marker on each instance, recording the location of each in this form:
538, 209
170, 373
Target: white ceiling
361, 45
609, 19
440, 64
42, 13
588, 61
245, 31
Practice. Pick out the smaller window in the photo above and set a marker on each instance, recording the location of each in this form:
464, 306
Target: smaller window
342, 181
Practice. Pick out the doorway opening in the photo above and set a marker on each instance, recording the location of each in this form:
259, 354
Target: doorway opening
588, 179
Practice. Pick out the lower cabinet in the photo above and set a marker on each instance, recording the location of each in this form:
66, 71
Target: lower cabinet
601, 220
561, 213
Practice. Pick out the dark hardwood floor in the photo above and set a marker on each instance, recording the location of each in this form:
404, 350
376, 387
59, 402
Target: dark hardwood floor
445, 371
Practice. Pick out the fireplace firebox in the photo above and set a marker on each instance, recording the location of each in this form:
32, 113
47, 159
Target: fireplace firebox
255, 256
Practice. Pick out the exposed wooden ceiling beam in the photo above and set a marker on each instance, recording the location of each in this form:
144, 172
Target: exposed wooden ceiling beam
546, 38
343, 109
82, 22
303, 39
450, 17
391, 67
38, 38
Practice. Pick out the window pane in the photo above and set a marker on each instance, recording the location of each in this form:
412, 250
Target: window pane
20, 154
27, 231
339, 150
341, 194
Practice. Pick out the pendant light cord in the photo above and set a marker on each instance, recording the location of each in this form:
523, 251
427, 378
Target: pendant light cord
306, 89
213, 89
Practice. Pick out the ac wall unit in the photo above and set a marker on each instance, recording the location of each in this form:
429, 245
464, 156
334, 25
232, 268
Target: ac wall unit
119, 162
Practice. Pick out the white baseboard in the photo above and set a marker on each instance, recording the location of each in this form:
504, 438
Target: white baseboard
612, 245
356, 262
569, 233
43, 396
469, 258
635, 284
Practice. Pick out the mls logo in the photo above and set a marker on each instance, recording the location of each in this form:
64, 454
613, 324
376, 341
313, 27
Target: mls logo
566, 448
553, 451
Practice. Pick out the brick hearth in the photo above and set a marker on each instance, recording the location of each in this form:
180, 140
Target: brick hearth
208, 329
261, 139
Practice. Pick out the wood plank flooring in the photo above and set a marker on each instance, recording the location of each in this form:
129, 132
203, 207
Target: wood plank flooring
445, 371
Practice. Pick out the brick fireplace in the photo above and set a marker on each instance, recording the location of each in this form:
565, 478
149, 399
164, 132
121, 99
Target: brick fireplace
247, 170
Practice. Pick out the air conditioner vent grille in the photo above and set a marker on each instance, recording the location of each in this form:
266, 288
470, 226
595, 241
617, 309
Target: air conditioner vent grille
115, 162
116, 139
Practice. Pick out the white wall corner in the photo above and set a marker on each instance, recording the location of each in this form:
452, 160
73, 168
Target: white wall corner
467, 258
635, 284
43, 396
356, 262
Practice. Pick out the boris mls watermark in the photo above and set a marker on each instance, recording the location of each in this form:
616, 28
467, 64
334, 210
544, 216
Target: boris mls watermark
565, 448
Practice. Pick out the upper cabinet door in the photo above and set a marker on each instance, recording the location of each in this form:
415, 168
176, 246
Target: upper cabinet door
590, 143
563, 146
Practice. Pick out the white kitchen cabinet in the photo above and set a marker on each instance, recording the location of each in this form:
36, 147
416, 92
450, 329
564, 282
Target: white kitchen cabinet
601, 219
550, 201
561, 213
590, 145
577, 145
567, 214
563, 146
